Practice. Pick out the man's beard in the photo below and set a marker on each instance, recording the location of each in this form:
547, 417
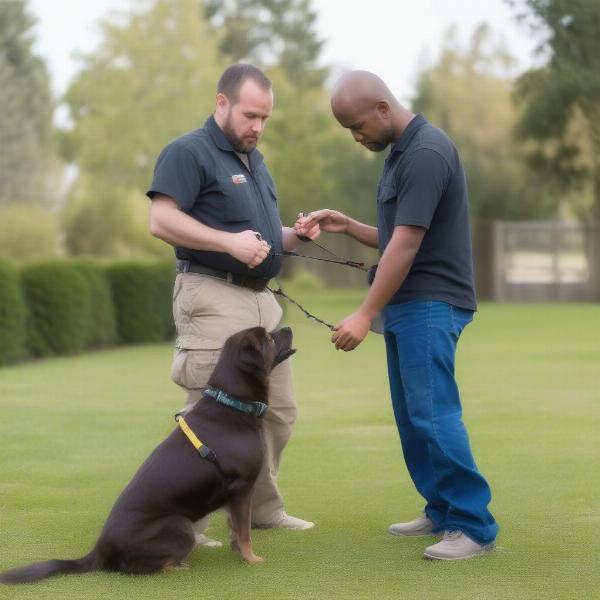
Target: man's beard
238, 143
380, 144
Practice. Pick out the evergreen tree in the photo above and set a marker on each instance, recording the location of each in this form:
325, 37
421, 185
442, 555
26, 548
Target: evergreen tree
561, 99
25, 107
562, 103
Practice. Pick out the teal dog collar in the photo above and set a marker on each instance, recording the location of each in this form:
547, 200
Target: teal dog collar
258, 409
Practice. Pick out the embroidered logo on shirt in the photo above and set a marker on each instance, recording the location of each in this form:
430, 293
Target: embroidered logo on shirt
237, 179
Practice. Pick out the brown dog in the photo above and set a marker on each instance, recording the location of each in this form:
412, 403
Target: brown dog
150, 525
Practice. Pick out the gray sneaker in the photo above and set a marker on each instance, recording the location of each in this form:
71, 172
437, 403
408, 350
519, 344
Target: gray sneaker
204, 540
456, 545
285, 522
419, 527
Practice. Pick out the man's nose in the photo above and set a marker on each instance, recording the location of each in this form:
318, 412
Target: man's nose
257, 127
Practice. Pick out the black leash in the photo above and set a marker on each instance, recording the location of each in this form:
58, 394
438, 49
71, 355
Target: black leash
280, 292
347, 263
338, 261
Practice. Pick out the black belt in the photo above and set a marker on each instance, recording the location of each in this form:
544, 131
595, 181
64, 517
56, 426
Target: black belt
254, 283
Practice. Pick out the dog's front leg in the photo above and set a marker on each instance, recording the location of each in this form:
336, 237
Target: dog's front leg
239, 521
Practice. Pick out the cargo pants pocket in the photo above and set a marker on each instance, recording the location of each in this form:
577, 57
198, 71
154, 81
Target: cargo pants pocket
191, 369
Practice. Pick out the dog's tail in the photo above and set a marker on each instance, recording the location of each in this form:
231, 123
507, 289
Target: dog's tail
41, 570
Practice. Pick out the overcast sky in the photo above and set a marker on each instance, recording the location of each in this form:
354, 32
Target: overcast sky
393, 38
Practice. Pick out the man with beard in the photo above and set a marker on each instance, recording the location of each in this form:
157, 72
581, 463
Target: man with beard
424, 289
214, 201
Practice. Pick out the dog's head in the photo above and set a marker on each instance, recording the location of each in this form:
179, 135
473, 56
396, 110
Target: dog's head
247, 359
261, 351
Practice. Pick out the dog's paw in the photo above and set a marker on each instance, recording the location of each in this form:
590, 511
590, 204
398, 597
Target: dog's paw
180, 566
252, 559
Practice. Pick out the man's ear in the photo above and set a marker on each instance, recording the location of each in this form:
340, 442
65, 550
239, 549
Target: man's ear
222, 103
383, 108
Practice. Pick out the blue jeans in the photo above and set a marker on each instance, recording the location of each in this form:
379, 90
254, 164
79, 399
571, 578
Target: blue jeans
421, 338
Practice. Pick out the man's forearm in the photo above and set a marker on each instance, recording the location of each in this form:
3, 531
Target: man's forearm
363, 233
290, 239
394, 265
171, 225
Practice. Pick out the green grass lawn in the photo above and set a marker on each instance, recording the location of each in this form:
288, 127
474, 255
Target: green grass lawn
74, 430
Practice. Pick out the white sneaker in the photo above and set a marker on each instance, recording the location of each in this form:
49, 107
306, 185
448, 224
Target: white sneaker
206, 542
456, 545
286, 522
419, 527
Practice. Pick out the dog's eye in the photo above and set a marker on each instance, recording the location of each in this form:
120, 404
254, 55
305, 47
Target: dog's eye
270, 338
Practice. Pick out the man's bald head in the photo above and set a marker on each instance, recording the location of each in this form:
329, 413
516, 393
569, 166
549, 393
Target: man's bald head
363, 103
359, 90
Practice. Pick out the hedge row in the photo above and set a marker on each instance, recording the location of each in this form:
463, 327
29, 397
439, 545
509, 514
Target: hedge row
67, 306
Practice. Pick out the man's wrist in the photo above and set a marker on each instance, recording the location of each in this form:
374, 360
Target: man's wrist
367, 312
347, 224
223, 241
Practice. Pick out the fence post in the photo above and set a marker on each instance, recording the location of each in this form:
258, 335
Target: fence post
498, 261
594, 260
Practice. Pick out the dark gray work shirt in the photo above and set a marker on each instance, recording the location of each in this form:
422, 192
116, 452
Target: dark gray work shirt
423, 184
203, 174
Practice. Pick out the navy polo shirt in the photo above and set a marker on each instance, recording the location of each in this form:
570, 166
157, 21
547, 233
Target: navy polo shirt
423, 184
202, 173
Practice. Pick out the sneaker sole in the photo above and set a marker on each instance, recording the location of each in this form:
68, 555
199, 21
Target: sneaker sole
417, 533
301, 528
400, 534
481, 552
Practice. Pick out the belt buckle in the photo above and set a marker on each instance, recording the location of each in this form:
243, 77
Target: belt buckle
182, 266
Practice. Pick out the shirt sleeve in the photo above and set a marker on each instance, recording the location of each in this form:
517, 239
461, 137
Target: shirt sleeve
420, 188
177, 174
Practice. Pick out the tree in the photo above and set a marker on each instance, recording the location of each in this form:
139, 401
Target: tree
562, 102
26, 114
564, 93
469, 95
152, 79
270, 33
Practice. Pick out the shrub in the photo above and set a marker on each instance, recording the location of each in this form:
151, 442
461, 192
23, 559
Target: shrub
12, 316
165, 278
58, 300
102, 329
29, 233
138, 300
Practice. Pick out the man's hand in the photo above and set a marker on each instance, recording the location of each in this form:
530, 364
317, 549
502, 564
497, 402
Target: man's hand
328, 220
351, 331
248, 247
302, 231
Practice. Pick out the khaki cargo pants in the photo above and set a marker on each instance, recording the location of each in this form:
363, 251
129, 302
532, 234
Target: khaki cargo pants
207, 310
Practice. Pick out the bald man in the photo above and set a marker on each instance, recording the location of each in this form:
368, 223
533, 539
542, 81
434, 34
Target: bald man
423, 288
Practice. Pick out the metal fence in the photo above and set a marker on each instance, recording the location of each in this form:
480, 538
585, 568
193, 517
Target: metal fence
536, 261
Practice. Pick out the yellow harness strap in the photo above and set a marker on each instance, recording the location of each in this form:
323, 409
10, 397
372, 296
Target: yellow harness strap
203, 449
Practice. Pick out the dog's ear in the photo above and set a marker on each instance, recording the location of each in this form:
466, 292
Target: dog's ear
251, 354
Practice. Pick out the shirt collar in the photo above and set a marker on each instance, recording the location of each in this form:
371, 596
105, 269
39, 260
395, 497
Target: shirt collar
218, 137
401, 144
